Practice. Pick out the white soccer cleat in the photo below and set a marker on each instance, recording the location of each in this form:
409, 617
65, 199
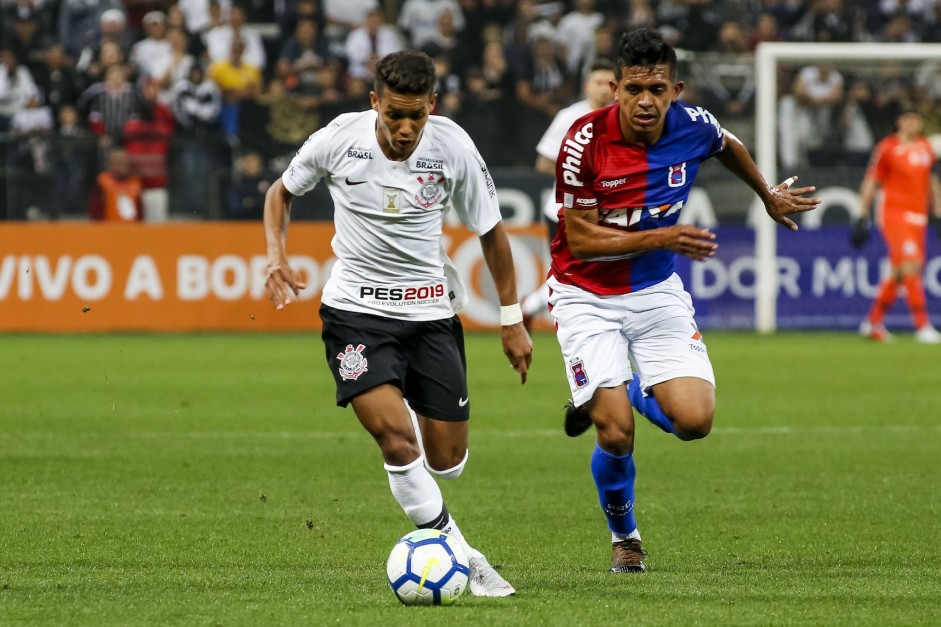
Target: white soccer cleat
876, 332
485, 581
928, 335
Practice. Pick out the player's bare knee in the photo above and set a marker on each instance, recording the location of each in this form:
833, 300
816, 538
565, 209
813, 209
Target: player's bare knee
398, 448
615, 438
694, 423
449, 467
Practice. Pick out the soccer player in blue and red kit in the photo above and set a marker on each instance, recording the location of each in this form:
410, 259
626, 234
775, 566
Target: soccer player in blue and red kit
623, 175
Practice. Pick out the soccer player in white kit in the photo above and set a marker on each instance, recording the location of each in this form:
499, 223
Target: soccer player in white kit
389, 312
622, 176
597, 94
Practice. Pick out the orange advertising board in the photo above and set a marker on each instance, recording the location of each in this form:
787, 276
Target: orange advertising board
199, 276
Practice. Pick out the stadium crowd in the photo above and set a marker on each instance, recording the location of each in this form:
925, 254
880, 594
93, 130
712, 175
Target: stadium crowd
95, 90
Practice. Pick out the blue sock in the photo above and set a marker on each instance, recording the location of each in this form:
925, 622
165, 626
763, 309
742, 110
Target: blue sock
614, 478
647, 406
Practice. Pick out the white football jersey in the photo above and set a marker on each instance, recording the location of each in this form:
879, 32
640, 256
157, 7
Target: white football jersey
551, 143
388, 214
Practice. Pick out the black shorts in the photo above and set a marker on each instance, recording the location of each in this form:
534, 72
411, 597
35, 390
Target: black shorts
424, 359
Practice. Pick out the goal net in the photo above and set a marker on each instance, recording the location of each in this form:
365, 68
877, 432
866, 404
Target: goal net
819, 111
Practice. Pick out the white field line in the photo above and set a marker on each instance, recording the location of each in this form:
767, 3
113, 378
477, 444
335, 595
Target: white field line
475, 433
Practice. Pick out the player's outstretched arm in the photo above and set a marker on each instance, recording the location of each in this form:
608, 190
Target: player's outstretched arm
517, 346
780, 200
281, 279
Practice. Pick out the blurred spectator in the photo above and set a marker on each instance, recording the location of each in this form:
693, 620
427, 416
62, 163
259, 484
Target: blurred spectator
176, 66
151, 55
109, 54
641, 15
278, 122
370, 42
138, 10
576, 33
247, 194
57, 81
17, 88
808, 116
239, 81
899, 30
290, 12
26, 39
31, 127
196, 104
109, 104
302, 55
766, 29
731, 39
113, 34
855, 125
117, 195
540, 80
419, 19
601, 47
72, 154
219, 40
447, 43
342, 17
147, 141
199, 18
448, 88
81, 21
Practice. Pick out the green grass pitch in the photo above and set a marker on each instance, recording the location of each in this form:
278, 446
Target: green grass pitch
209, 479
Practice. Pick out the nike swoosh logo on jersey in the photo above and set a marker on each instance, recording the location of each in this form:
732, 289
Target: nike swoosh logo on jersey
349, 182
463, 401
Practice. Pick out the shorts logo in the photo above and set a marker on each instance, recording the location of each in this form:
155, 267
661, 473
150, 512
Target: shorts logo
579, 374
352, 362
430, 192
696, 334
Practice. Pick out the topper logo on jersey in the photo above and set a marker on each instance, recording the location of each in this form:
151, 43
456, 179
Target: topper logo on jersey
677, 175
614, 183
352, 362
575, 150
430, 192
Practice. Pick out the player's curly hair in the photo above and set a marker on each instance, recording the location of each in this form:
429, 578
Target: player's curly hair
645, 47
408, 72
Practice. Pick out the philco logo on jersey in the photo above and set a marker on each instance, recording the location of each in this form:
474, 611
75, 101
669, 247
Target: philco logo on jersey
423, 295
575, 150
429, 164
430, 192
359, 153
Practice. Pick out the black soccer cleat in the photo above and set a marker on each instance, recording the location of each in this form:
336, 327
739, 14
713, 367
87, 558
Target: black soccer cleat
577, 420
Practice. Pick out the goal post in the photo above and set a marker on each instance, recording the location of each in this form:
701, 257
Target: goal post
767, 58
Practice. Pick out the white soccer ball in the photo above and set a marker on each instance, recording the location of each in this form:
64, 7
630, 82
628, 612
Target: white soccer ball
427, 567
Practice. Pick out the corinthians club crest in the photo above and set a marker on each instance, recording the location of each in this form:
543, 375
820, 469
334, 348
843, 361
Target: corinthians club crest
430, 192
352, 362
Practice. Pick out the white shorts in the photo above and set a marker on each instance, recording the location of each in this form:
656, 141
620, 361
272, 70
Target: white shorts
601, 335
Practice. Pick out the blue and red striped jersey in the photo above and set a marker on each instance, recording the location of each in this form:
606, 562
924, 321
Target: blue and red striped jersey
633, 187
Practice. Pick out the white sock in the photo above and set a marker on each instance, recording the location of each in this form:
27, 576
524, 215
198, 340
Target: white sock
536, 302
418, 494
617, 537
416, 491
